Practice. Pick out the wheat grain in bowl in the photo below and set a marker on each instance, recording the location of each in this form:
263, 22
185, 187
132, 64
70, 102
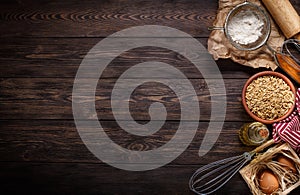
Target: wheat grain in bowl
269, 97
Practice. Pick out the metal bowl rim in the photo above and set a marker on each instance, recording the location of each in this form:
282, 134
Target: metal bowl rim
258, 8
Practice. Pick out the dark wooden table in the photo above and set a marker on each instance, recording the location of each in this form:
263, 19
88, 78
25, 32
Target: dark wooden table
42, 44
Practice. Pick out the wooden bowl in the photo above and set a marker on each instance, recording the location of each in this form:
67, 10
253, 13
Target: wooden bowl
267, 73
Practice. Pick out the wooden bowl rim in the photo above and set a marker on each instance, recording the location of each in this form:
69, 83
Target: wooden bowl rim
268, 73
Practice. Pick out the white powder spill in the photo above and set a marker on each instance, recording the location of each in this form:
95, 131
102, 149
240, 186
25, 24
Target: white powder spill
245, 27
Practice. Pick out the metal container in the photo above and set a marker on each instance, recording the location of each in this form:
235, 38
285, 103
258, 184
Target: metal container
260, 13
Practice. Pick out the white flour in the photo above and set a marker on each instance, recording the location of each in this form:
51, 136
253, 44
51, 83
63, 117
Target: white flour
245, 28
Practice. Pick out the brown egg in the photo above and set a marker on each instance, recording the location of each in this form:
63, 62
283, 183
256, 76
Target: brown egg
287, 162
268, 182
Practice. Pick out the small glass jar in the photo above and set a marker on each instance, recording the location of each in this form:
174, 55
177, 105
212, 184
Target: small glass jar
254, 134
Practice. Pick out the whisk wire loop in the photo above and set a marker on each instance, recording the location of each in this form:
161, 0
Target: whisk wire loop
211, 177
286, 48
233, 164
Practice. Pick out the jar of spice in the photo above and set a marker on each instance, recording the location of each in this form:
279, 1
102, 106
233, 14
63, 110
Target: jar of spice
253, 134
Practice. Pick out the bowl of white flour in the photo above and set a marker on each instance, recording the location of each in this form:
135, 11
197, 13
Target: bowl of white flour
247, 26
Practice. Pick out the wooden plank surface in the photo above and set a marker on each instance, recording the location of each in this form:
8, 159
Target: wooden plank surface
59, 141
90, 178
24, 98
95, 19
42, 46
45, 57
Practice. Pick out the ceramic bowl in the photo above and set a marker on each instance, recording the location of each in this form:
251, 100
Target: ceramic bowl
267, 73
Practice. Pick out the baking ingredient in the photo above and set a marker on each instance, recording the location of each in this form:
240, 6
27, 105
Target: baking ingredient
245, 27
253, 134
287, 162
269, 97
268, 182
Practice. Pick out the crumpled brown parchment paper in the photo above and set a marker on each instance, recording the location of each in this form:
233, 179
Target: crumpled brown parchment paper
220, 47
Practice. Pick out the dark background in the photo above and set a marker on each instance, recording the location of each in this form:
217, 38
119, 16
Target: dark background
42, 44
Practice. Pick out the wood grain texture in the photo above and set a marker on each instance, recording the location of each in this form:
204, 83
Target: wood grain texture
95, 19
58, 141
42, 44
43, 98
95, 178
79, 178
60, 58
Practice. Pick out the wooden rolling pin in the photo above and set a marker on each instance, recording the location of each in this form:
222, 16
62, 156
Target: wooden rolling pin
285, 16
288, 21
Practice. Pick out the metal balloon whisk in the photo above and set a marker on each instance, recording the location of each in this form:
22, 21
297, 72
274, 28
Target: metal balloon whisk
211, 177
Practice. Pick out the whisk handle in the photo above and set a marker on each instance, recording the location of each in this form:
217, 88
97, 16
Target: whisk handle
263, 146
